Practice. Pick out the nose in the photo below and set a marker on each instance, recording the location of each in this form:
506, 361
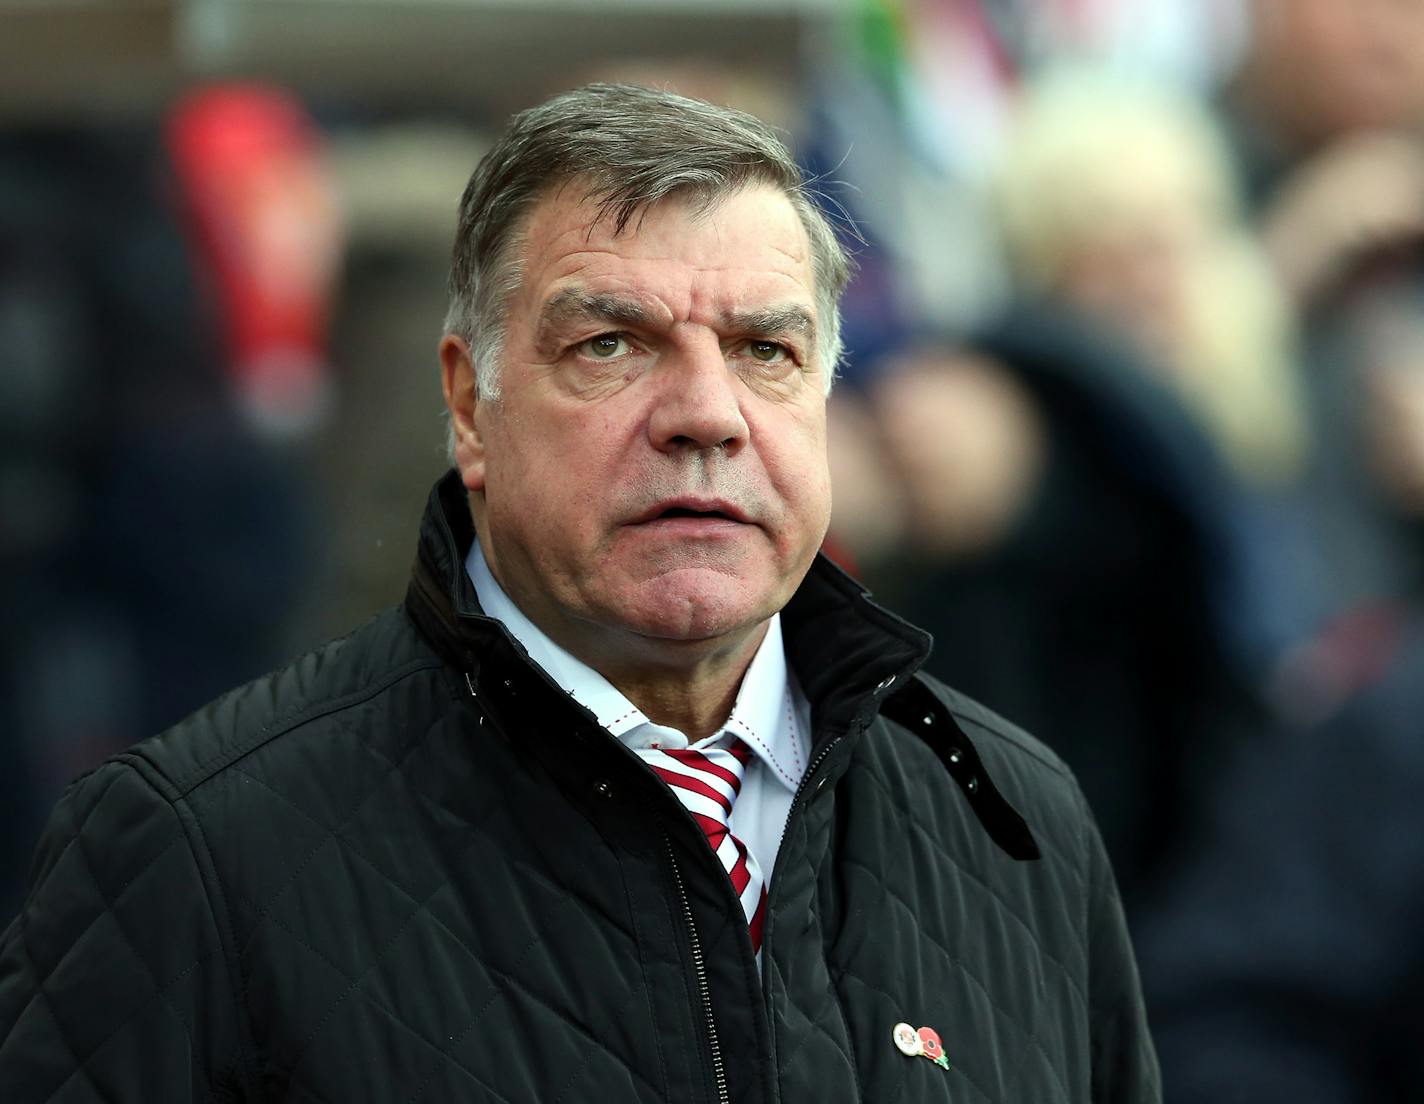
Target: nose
698, 405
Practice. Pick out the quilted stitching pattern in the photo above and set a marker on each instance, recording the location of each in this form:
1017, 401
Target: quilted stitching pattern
116, 997
994, 1040
507, 949
415, 915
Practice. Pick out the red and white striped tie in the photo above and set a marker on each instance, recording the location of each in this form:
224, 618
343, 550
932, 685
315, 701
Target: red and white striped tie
707, 782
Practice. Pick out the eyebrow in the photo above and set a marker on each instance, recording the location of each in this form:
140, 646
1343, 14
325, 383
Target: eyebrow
772, 322
573, 305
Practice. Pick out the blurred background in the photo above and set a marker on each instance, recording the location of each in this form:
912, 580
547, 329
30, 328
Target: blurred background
1132, 418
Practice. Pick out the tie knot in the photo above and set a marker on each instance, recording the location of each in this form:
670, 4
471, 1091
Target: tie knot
729, 762
712, 777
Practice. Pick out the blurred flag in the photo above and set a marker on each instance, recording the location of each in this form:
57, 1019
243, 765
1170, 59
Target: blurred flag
264, 221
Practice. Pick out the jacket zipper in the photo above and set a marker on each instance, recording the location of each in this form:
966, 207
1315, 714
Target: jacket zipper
699, 967
811, 770
801, 789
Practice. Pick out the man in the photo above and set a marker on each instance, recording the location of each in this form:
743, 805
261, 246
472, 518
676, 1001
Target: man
481, 849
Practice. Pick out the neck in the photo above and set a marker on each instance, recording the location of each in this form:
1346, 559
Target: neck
687, 684
696, 698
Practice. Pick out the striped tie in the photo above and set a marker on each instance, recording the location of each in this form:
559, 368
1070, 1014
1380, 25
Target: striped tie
707, 782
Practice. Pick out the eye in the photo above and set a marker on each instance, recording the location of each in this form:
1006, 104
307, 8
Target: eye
768, 352
605, 346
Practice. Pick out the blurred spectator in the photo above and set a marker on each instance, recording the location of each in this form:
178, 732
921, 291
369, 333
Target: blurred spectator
1284, 963
1086, 561
1318, 73
1369, 515
1393, 407
1288, 966
1327, 116
154, 541
1069, 547
1117, 198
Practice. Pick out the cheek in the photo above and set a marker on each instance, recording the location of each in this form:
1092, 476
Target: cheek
801, 471
554, 468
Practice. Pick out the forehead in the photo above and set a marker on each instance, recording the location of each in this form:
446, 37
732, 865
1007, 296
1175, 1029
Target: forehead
737, 252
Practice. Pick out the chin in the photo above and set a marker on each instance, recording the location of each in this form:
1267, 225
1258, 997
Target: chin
675, 608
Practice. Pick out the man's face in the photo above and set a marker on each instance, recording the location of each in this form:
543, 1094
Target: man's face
1343, 66
653, 478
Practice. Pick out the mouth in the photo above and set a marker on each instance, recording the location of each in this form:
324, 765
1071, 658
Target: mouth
684, 512
680, 509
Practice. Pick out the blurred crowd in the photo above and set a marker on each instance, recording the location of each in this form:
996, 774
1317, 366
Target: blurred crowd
1132, 421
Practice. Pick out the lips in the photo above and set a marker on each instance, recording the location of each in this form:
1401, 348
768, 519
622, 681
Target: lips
692, 508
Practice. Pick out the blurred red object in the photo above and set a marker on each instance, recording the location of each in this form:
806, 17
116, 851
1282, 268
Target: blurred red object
262, 214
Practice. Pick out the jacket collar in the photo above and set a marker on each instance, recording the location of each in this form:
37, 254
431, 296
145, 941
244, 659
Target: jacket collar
851, 656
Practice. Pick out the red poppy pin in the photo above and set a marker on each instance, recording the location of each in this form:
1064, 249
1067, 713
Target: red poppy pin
924, 1043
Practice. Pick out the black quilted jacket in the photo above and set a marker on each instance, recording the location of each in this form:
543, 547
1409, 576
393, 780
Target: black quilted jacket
409, 869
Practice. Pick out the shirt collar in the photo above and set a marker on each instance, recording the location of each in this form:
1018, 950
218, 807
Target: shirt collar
763, 716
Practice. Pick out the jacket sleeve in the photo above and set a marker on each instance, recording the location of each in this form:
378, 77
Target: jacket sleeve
113, 981
1125, 1067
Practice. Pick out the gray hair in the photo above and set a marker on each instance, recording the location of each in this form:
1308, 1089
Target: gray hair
631, 147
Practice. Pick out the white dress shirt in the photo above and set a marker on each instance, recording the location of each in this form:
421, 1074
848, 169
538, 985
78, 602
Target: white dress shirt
771, 716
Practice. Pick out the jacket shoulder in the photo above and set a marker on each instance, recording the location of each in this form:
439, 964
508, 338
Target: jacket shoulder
1030, 774
1008, 738
342, 675
113, 977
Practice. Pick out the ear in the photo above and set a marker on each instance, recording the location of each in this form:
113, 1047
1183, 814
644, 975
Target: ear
457, 374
